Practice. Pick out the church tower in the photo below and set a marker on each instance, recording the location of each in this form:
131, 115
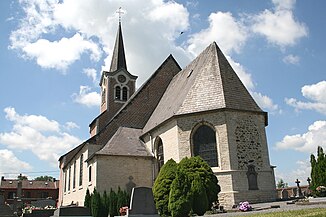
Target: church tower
117, 84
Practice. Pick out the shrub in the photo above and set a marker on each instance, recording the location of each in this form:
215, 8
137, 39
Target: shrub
162, 186
197, 166
88, 199
180, 198
200, 201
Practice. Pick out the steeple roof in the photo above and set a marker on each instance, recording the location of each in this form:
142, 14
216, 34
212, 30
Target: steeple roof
118, 56
207, 83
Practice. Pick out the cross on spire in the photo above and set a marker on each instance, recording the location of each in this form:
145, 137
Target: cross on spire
120, 12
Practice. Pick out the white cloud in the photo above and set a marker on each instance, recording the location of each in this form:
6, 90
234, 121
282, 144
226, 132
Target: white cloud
91, 73
98, 20
10, 163
279, 26
264, 101
316, 93
306, 142
85, 97
229, 33
36, 133
244, 76
71, 125
302, 171
60, 54
37, 122
291, 59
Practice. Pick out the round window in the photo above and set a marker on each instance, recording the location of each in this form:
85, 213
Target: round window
121, 78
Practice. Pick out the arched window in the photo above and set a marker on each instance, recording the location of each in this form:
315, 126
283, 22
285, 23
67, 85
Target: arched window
124, 93
204, 145
118, 93
81, 161
159, 153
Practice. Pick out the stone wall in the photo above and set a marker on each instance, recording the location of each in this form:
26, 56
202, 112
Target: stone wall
115, 171
241, 141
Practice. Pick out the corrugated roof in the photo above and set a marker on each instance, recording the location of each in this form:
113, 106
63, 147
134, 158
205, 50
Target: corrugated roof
207, 83
125, 142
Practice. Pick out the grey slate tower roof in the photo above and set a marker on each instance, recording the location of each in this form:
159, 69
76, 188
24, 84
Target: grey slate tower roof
118, 57
207, 83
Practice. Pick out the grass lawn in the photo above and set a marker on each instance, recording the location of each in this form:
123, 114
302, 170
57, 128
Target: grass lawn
317, 212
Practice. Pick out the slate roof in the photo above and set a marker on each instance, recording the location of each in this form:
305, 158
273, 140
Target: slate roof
207, 83
136, 111
118, 57
125, 142
29, 184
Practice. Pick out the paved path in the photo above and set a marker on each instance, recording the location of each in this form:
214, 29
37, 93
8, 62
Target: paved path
265, 207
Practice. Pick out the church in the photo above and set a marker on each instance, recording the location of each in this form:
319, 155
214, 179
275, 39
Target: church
201, 110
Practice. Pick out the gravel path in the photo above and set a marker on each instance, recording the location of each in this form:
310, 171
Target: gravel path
265, 208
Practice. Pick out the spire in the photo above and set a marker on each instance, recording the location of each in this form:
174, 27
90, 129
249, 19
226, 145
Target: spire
118, 57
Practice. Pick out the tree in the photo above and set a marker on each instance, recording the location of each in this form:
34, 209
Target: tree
193, 174
200, 201
162, 186
281, 184
122, 199
21, 177
196, 165
96, 203
106, 204
88, 199
180, 198
113, 204
318, 169
44, 178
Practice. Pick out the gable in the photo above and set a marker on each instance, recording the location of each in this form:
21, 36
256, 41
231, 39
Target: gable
207, 83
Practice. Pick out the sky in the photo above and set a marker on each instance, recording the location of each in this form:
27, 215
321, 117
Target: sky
53, 53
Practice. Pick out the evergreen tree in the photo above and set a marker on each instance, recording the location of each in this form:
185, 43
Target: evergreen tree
200, 201
113, 204
122, 199
96, 203
318, 169
162, 186
180, 197
196, 165
106, 204
88, 199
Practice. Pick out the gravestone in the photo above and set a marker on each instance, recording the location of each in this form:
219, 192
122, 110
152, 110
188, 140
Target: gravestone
5, 210
299, 192
284, 194
43, 203
142, 203
72, 211
294, 192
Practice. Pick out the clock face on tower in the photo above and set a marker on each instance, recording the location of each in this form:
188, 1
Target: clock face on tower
121, 78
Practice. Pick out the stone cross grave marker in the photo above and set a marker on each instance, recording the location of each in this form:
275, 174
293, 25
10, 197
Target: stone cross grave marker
299, 192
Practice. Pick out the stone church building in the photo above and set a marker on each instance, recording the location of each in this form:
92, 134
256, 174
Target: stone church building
203, 109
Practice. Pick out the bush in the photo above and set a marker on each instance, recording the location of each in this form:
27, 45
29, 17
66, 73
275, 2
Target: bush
200, 201
88, 199
180, 198
197, 166
96, 204
162, 186
191, 183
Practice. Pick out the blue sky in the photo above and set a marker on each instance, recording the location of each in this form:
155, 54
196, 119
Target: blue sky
53, 53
